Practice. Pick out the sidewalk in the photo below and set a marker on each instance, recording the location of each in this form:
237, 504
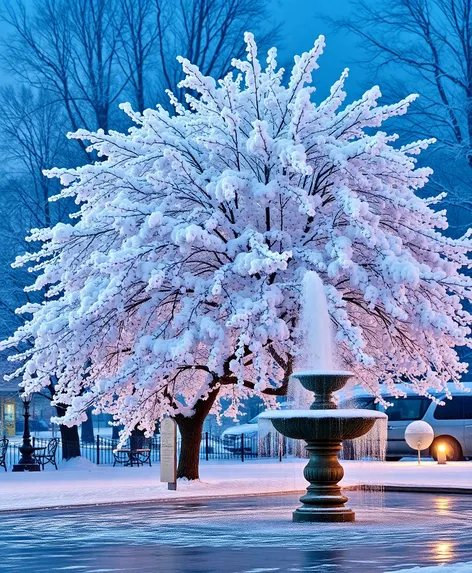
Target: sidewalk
79, 482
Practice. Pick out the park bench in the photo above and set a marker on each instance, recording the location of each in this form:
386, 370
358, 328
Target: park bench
47, 455
136, 455
3, 452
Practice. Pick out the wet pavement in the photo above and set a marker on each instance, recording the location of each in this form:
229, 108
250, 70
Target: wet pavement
250, 535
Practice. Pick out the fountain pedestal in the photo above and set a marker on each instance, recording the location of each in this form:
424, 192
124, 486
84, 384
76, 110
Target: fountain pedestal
323, 428
323, 500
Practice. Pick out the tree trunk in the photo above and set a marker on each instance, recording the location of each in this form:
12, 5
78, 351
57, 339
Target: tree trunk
87, 428
136, 439
191, 429
69, 437
191, 435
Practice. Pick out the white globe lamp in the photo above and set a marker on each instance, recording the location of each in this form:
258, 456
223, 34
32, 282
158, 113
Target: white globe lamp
419, 435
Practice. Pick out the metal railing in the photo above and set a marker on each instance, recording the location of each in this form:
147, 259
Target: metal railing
100, 451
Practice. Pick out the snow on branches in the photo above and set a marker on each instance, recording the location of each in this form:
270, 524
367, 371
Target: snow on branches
182, 271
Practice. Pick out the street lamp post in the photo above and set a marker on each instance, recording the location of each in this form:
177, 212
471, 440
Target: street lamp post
26, 462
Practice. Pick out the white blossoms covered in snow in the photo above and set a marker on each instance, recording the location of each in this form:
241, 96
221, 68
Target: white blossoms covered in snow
179, 279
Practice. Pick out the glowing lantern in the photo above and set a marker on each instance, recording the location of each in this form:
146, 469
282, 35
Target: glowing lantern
442, 454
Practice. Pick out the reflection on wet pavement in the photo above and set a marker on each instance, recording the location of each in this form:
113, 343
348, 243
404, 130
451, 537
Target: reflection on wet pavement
251, 535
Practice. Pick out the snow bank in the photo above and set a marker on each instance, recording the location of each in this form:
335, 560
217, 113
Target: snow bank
75, 464
453, 568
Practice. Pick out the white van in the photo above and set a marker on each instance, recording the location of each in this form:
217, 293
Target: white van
452, 423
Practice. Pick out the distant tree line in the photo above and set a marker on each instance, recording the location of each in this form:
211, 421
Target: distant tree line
425, 47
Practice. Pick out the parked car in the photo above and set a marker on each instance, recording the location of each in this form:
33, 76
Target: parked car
451, 422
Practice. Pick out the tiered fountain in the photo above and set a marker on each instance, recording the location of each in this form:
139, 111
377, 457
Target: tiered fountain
323, 427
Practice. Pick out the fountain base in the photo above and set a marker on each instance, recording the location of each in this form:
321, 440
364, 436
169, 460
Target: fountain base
325, 516
323, 501
323, 427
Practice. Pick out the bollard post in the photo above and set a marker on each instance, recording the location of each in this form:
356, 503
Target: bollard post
98, 450
169, 453
206, 446
242, 447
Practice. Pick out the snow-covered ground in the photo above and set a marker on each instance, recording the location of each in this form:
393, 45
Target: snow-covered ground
453, 568
80, 482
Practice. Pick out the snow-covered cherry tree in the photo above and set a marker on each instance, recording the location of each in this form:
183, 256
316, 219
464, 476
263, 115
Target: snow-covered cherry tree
178, 282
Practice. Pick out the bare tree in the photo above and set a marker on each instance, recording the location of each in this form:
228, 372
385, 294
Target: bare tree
32, 141
209, 33
424, 46
138, 36
70, 50
92, 54
31, 126
30, 144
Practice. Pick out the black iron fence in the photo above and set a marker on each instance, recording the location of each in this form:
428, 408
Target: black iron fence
100, 451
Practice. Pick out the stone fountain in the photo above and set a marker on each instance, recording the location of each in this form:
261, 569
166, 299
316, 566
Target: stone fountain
323, 427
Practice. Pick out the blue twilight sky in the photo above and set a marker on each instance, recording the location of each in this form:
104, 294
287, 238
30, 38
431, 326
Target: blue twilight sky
303, 21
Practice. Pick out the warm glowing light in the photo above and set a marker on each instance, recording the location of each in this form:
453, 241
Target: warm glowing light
443, 552
442, 505
442, 454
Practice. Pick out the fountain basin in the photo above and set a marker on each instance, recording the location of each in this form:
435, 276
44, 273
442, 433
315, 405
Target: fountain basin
323, 431
315, 425
323, 428
323, 384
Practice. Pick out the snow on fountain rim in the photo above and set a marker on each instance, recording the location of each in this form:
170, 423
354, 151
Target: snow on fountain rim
322, 373
334, 413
